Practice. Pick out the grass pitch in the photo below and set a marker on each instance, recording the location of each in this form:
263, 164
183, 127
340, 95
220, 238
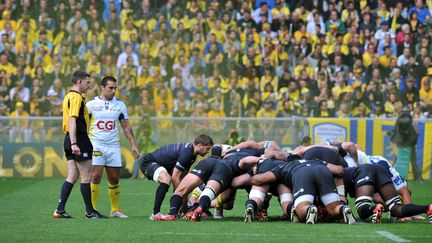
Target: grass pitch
27, 206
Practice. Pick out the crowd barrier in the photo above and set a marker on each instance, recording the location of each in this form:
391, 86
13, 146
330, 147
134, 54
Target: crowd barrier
33, 146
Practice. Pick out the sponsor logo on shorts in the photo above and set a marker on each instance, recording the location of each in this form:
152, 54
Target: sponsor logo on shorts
363, 179
85, 155
196, 171
97, 153
180, 165
298, 192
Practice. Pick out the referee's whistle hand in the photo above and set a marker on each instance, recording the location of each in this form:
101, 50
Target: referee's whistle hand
75, 149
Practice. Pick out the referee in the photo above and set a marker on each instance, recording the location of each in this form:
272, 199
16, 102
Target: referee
77, 146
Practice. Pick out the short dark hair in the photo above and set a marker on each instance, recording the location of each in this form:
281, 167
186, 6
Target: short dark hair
203, 139
78, 75
106, 79
216, 151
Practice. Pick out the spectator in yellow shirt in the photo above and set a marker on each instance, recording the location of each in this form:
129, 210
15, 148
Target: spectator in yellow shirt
385, 59
269, 77
426, 93
216, 112
94, 66
19, 131
280, 13
163, 97
266, 111
341, 86
369, 54
165, 113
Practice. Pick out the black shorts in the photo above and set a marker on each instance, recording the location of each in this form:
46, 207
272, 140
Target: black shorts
214, 169
223, 174
85, 145
374, 175
268, 165
148, 165
326, 154
205, 168
313, 180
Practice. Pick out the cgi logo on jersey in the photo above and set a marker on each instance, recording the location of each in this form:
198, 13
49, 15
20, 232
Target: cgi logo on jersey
106, 125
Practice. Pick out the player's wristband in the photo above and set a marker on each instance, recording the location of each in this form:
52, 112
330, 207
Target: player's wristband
73, 144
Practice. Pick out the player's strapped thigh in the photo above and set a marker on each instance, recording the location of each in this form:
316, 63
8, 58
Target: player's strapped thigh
205, 168
258, 193
85, 145
153, 171
303, 198
286, 197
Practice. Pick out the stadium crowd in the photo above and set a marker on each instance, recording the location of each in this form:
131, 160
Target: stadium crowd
227, 58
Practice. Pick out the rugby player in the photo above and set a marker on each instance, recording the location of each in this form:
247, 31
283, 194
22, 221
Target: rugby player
217, 174
363, 181
308, 179
169, 164
258, 194
106, 114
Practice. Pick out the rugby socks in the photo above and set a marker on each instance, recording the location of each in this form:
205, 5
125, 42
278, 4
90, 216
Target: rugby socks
365, 211
160, 195
219, 203
205, 202
95, 191
175, 203
288, 209
64, 195
86, 194
266, 203
412, 209
251, 203
114, 195
341, 209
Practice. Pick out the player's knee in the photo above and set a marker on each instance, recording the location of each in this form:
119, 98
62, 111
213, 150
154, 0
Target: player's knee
228, 205
96, 178
161, 176
72, 177
164, 178
113, 181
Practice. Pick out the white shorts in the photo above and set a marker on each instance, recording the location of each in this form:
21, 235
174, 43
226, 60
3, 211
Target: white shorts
106, 156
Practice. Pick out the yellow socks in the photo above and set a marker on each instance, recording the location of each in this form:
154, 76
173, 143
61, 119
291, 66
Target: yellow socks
219, 203
95, 191
114, 195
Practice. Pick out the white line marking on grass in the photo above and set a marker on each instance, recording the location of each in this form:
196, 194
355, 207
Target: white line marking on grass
391, 236
252, 235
